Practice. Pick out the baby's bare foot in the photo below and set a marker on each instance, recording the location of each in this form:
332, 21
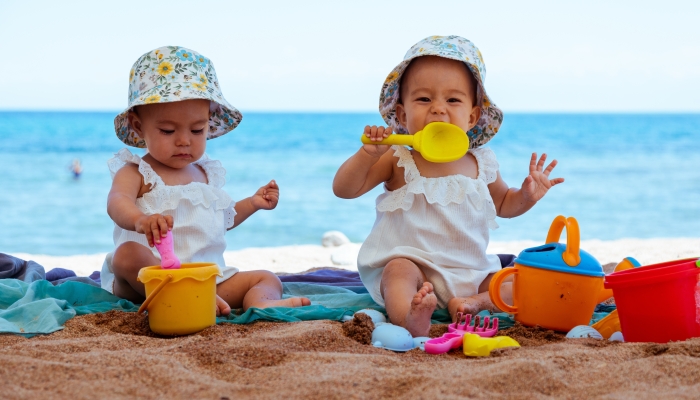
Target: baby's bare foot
470, 305
222, 307
290, 302
422, 306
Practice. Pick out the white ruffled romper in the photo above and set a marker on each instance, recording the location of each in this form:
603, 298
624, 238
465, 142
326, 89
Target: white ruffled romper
442, 224
202, 212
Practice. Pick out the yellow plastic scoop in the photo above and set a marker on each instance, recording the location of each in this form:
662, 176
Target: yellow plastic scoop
476, 346
438, 142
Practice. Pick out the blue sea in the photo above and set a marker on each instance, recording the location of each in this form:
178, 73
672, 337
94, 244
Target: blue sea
627, 176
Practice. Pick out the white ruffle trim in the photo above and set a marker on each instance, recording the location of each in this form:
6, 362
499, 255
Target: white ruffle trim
163, 197
120, 159
229, 215
488, 165
216, 174
444, 190
167, 197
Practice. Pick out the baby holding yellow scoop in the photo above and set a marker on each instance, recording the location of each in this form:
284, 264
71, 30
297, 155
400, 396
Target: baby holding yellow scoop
427, 248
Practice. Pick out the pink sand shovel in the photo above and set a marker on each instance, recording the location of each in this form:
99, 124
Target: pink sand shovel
168, 259
452, 339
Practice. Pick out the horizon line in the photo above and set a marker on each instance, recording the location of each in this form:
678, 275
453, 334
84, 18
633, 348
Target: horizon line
261, 111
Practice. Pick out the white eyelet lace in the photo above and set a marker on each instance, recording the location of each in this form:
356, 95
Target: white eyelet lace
229, 215
162, 197
447, 189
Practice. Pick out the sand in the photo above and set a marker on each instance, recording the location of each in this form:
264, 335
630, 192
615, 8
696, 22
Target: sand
114, 355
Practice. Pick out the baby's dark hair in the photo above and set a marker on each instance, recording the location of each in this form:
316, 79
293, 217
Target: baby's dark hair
476, 95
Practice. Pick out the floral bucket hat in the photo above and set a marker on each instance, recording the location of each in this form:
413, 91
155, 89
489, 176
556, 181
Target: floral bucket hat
170, 74
455, 48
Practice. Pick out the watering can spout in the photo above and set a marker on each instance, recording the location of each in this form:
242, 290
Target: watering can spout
625, 264
604, 294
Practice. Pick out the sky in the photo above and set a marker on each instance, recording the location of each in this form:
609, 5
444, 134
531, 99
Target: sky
541, 56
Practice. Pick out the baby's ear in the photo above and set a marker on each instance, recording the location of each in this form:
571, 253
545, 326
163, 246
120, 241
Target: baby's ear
401, 114
474, 116
135, 122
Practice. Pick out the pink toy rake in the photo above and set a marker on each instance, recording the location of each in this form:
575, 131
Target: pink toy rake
452, 339
463, 325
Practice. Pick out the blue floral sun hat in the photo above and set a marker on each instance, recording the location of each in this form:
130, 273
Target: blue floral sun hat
455, 48
170, 74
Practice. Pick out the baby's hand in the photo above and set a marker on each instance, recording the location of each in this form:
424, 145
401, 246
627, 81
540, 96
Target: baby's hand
266, 197
154, 226
376, 134
538, 183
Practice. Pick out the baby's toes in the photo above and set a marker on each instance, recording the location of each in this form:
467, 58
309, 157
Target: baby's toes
222, 307
418, 297
301, 301
425, 290
466, 307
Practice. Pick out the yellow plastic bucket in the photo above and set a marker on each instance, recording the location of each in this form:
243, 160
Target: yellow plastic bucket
180, 301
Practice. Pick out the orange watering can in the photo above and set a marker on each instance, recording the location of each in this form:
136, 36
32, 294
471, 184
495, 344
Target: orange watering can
555, 286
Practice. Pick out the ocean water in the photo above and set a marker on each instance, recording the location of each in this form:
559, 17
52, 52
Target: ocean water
627, 176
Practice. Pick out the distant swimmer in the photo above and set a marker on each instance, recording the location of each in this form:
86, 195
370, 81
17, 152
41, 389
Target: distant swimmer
76, 168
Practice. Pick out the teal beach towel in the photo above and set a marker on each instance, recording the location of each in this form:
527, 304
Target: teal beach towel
39, 307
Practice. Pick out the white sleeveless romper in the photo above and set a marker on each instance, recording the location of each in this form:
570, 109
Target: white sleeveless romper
202, 212
442, 224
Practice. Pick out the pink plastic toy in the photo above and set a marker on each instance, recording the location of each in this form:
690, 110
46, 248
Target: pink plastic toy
168, 259
455, 332
479, 329
445, 343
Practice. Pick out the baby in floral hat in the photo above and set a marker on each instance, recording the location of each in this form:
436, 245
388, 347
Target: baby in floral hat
175, 106
427, 248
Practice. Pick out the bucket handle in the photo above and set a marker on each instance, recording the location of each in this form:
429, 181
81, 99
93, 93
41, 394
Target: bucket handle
154, 293
571, 255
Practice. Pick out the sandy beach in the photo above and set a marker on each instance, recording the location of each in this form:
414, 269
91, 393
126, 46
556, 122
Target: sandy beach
115, 355
513, 113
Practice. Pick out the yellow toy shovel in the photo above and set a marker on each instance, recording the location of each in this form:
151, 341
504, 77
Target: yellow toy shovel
438, 142
476, 346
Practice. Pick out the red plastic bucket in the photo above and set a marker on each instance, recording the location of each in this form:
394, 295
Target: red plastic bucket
658, 303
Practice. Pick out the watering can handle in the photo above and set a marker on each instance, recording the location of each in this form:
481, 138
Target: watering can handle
571, 256
495, 290
154, 293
